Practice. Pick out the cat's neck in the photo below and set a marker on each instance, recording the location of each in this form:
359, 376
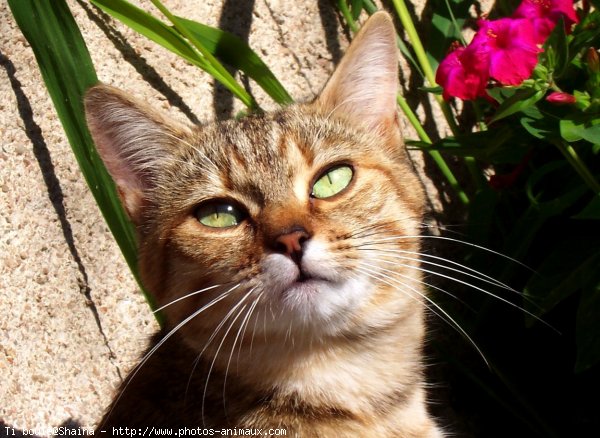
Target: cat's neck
368, 386
359, 373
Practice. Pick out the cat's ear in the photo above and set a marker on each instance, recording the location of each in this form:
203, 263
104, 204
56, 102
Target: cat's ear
365, 84
133, 140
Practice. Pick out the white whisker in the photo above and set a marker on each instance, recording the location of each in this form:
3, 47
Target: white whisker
187, 296
221, 345
474, 273
232, 349
504, 300
407, 277
372, 274
473, 245
164, 339
247, 321
210, 339
254, 327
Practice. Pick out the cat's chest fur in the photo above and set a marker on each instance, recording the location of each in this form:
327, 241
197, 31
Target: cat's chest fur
283, 253
351, 395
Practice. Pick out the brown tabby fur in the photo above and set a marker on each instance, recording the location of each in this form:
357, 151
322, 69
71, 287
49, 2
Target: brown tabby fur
337, 356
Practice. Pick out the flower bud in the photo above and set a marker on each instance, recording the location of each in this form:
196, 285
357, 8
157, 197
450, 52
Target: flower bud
592, 60
559, 98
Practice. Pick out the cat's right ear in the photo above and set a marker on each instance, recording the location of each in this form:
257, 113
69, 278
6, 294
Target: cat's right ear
363, 87
133, 140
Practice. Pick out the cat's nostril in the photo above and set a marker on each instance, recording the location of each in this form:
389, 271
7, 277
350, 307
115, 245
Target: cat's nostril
291, 243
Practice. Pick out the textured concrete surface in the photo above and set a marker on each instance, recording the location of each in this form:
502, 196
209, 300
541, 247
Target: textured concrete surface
72, 320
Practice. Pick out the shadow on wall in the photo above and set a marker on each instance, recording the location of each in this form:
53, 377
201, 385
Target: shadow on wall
138, 62
55, 193
236, 18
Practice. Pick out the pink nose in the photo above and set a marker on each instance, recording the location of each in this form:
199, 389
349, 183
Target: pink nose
291, 243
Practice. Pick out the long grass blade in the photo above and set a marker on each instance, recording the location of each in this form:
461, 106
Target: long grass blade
67, 70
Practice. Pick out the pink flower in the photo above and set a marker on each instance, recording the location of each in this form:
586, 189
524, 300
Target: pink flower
559, 98
463, 74
511, 47
545, 14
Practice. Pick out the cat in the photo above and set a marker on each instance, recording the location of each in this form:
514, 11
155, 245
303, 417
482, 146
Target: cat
271, 246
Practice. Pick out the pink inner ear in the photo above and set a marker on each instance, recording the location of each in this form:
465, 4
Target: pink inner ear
129, 182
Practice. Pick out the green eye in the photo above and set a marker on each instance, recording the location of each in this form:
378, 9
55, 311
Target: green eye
332, 182
219, 215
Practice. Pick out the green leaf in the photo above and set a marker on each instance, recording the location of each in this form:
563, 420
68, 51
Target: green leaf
172, 40
587, 329
539, 125
212, 65
500, 94
583, 99
581, 128
444, 27
566, 270
356, 8
521, 100
233, 51
67, 70
590, 211
433, 90
493, 146
557, 49
586, 33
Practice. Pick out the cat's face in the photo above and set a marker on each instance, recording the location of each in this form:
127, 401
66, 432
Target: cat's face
290, 221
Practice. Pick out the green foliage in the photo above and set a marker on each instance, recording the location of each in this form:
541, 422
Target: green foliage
447, 21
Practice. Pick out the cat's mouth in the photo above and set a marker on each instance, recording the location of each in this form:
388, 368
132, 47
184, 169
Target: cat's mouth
306, 283
303, 277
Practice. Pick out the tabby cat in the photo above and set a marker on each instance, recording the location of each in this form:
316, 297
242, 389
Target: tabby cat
271, 245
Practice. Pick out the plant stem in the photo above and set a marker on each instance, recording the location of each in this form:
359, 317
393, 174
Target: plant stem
419, 50
579, 166
435, 155
409, 26
343, 6
213, 66
454, 23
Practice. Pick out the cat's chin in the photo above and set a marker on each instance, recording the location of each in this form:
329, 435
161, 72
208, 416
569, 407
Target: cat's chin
321, 306
305, 288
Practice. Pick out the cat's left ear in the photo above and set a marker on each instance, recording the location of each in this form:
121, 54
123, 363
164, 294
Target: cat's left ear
134, 141
365, 84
